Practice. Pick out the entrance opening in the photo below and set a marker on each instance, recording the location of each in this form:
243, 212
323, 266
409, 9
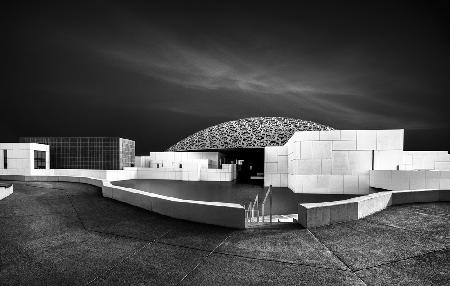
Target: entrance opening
249, 164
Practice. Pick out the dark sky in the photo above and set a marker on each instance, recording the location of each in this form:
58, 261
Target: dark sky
156, 73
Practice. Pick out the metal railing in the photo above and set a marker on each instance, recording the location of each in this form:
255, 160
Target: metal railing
267, 196
252, 210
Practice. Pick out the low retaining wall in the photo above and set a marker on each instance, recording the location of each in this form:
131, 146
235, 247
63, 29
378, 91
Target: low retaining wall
216, 213
320, 214
5, 190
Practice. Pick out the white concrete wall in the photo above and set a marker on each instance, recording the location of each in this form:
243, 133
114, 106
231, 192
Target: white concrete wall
425, 160
276, 166
173, 159
337, 161
396, 180
20, 158
320, 214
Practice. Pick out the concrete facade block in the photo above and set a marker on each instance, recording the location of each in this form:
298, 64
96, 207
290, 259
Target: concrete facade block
444, 166
366, 139
283, 164
321, 149
283, 180
330, 135
306, 150
309, 167
351, 184
326, 166
344, 145
417, 180
271, 167
400, 180
387, 160
348, 135
390, 139
330, 184
270, 154
308, 182
307, 135
432, 179
340, 163
276, 180
360, 162
363, 184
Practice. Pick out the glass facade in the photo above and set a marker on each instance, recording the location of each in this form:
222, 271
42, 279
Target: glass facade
39, 159
99, 153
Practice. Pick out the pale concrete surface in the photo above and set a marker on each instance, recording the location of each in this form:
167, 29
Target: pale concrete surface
68, 234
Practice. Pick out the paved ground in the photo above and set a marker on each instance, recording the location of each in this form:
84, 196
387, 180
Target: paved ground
62, 234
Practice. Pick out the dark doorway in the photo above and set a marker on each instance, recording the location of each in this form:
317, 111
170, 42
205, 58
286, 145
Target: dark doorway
249, 164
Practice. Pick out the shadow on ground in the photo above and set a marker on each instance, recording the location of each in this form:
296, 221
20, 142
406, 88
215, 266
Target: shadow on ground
67, 233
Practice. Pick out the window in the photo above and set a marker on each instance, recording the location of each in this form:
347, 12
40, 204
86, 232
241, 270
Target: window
39, 159
5, 159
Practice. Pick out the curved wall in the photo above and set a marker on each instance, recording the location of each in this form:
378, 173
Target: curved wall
216, 213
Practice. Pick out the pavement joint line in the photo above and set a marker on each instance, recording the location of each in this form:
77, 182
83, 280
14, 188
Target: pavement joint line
282, 261
133, 253
337, 256
183, 246
402, 259
198, 264
326, 247
76, 212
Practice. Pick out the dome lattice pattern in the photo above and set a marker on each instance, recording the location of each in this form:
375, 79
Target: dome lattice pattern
251, 132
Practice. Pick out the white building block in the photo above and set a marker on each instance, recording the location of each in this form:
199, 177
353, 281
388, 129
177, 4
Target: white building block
309, 167
417, 180
344, 145
276, 180
307, 135
270, 167
340, 163
282, 150
390, 139
282, 165
330, 135
306, 150
360, 162
363, 184
351, 184
444, 166
283, 180
400, 180
432, 179
330, 184
270, 154
387, 160
348, 135
326, 166
366, 139
321, 149
308, 182
296, 150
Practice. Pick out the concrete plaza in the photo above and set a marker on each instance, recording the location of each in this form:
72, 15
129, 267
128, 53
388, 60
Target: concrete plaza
67, 233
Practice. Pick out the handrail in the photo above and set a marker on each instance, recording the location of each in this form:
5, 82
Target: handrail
268, 195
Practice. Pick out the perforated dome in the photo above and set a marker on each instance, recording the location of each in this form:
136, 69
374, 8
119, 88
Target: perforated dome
251, 132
